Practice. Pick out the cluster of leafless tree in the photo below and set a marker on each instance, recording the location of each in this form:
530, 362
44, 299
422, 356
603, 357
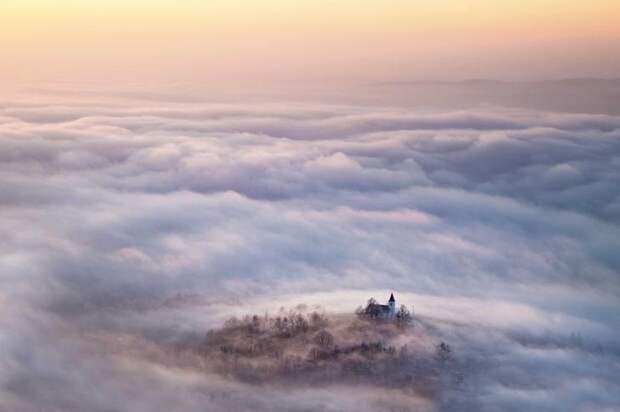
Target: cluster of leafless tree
254, 336
310, 348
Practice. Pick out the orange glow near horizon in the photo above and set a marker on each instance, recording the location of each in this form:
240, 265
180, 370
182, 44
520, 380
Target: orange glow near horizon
116, 40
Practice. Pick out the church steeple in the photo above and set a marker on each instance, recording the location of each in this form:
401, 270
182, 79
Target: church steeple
392, 305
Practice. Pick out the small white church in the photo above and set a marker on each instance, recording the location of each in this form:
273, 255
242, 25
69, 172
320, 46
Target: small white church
378, 311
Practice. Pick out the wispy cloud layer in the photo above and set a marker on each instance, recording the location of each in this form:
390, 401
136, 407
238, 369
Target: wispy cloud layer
153, 222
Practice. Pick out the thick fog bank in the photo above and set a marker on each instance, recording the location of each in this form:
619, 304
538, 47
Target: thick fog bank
128, 228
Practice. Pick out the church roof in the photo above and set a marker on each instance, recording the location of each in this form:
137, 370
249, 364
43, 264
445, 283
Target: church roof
376, 308
392, 298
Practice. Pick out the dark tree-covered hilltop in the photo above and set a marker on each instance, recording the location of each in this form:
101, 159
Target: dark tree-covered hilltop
308, 347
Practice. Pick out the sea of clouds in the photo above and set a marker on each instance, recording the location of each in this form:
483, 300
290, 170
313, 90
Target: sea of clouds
129, 224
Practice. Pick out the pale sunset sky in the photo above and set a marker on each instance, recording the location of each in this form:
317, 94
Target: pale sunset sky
291, 41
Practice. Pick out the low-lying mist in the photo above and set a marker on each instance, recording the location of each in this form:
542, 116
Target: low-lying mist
134, 227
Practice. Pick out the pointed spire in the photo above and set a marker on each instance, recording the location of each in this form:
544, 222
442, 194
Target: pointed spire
392, 298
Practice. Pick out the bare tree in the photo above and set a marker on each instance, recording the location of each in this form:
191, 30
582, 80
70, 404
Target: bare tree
443, 352
368, 312
256, 326
403, 316
323, 338
299, 323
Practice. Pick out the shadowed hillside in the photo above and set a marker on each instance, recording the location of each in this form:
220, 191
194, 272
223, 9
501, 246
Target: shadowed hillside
296, 347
